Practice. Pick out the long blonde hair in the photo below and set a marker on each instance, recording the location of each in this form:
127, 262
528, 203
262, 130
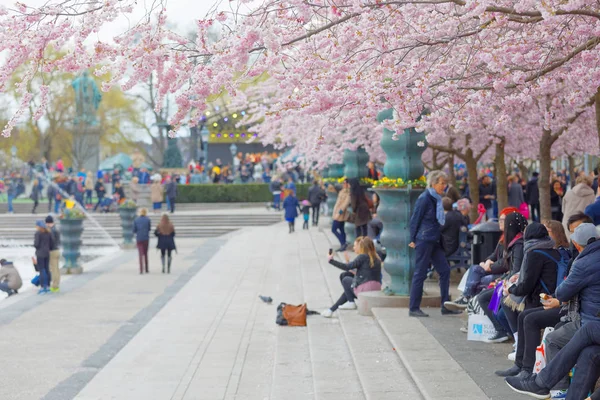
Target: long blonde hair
368, 247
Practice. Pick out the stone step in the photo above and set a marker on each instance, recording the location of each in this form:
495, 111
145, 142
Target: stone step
24, 208
436, 373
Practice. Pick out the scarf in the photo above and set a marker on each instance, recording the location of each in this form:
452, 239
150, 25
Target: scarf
517, 303
439, 209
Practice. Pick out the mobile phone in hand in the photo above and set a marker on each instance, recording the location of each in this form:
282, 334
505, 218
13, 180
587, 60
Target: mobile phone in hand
330, 251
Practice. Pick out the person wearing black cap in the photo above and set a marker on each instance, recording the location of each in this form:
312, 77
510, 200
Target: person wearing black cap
54, 255
43, 243
10, 280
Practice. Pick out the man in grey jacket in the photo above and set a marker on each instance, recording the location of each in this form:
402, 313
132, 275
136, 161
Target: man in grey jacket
10, 280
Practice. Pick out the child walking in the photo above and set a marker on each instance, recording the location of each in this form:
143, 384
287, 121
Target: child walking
291, 206
305, 213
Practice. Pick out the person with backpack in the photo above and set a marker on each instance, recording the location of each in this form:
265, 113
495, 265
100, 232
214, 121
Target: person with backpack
538, 274
582, 290
531, 322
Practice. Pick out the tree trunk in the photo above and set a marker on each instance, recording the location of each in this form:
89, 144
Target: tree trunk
572, 171
471, 164
544, 179
524, 170
501, 177
597, 104
451, 174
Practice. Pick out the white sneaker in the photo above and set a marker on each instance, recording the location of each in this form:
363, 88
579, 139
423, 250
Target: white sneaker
327, 313
512, 356
558, 394
350, 305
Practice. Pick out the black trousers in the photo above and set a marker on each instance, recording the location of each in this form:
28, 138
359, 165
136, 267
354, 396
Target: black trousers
361, 230
346, 278
315, 213
531, 322
172, 204
484, 299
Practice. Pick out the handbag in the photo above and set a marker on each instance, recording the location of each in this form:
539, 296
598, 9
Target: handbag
496, 299
290, 315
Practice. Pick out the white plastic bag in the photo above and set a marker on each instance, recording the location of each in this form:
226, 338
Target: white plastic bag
540, 353
463, 282
480, 328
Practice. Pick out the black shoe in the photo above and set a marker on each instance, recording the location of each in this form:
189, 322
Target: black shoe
528, 387
499, 337
524, 374
446, 311
417, 314
512, 371
459, 304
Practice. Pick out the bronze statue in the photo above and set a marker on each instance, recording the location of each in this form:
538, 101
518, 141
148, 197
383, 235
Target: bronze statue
87, 99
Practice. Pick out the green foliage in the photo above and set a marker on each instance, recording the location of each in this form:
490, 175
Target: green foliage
129, 204
173, 157
243, 193
72, 213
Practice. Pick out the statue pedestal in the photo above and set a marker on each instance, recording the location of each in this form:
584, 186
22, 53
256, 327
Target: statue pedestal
86, 147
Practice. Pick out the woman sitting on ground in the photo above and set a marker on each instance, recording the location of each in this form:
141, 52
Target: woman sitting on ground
366, 278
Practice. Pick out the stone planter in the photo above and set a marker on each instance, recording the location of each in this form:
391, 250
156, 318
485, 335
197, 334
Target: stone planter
70, 231
394, 211
396, 205
127, 216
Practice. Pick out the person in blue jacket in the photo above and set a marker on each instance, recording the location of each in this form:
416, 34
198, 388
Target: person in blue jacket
426, 224
593, 211
291, 208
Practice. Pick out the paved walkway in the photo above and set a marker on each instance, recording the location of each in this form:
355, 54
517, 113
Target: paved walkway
202, 333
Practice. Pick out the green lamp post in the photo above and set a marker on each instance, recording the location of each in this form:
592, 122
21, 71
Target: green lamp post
396, 204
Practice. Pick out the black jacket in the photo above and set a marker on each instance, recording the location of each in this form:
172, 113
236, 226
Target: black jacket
364, 271
533, 191
42, 242
316, 195
486, 191
100, 190
165, 242
498, 267
55, 238
538, 268
450, 231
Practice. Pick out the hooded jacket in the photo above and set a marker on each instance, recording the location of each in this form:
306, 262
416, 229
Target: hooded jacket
340, 210
576, 200
539, 265
584, 280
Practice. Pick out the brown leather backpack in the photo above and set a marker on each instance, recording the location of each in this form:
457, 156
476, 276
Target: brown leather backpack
291, 315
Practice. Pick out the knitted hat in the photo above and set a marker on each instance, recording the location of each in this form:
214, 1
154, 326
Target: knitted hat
49, 219
40, 224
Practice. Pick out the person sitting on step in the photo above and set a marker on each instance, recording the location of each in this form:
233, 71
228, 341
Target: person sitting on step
366, 278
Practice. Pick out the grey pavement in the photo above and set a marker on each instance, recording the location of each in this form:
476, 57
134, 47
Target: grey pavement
202, 332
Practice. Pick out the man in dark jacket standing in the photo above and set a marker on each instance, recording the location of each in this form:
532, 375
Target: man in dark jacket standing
275, 188
426, 222
171, 193
315, 196
533, 197
487, 193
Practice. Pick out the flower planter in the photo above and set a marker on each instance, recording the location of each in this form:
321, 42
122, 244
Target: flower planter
127, 216
71, 230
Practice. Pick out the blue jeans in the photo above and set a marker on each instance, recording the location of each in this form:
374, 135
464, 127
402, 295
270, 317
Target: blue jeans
584, 350
10, 204
88, 197
476, 277
427, 253
277, 201
43, 264
337, 227
57, 205
4, 287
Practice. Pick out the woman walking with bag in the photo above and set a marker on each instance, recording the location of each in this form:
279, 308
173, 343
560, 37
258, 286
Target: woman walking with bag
165, 231
43, 244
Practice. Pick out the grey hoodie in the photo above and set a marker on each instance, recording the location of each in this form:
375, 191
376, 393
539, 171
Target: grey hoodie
9, 273
576, 200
